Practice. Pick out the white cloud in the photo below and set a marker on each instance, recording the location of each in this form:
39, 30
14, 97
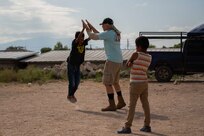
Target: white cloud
178, 28
21, 17
142, 4
8, 39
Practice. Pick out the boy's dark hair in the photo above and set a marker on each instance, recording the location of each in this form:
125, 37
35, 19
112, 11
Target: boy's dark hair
77, 34
143, 42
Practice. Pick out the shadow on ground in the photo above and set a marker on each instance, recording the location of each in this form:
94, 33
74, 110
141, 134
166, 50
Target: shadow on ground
122, 114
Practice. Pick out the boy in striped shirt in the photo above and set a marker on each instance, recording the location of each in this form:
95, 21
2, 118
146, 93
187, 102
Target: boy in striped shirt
139, 63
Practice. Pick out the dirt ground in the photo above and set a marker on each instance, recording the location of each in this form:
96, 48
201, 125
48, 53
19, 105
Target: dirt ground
43, 110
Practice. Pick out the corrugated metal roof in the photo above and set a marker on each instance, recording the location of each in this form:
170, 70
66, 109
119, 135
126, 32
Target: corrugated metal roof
164, 50
52, 56
15, 55
91, 55
95, 55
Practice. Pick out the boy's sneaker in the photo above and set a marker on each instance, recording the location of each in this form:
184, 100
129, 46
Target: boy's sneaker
72, 99
125, 131
146, 129
75, 99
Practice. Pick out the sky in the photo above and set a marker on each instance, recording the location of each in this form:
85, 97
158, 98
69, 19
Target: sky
24, 20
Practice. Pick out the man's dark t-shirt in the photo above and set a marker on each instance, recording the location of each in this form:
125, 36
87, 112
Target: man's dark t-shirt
76, 56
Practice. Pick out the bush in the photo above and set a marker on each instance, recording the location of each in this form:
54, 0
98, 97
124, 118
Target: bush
45, 49
30, 74
98, 77
8, 75
35, 74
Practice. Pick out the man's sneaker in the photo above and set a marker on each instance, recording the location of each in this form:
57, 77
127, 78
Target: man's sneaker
146, 129
72, 99
125, 131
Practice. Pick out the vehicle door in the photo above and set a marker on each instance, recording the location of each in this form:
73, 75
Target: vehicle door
194, 55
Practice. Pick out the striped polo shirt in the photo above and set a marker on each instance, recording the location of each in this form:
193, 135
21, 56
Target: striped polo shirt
139, 68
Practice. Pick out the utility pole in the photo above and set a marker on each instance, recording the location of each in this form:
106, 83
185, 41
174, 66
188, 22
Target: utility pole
128, 43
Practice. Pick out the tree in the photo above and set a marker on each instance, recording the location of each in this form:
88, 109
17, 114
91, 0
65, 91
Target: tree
177, 45
59, 46
65, 47
45, 49
152, 46
16, 48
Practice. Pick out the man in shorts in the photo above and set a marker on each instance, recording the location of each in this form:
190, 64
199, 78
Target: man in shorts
111, 74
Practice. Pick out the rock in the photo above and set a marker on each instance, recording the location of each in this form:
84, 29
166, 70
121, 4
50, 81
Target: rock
29, 84
57, 70
94, 66
84, 73
63, 66
89, 70
88, 66
47, 69
100, 66
125, 73
91, 74
99, 71
176, 82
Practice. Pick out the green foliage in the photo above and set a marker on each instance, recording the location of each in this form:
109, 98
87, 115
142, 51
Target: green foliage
16, 48
152, 46
65, 47
177, 45
35, 74
30, 74
176, 77
59, 46
8, 75
45, 49
150, 75
98, 77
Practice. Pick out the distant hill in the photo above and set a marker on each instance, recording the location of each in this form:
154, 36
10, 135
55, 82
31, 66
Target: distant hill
36, 44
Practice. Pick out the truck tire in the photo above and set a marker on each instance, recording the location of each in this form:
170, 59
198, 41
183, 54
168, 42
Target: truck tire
163, 74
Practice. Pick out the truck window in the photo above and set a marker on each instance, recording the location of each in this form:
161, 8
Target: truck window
195, 48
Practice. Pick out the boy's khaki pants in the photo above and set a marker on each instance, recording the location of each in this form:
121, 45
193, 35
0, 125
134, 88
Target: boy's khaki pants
138, 90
